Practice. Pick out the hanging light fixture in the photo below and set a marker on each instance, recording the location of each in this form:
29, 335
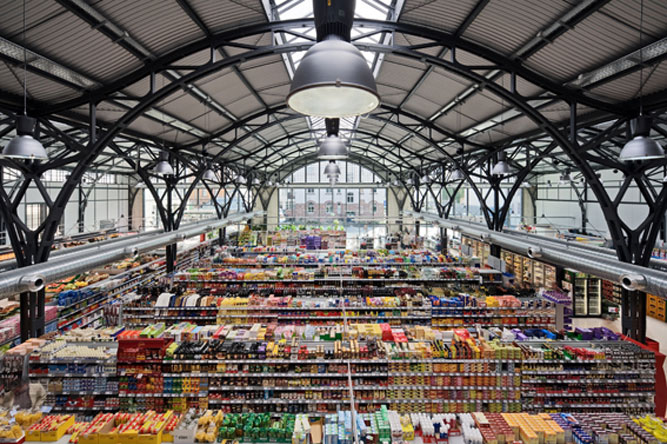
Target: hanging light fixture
641, 147
565, 177
332, 172
333, 78
24, 145
209, 175
163, 168
332, 148
501, 168
456, 175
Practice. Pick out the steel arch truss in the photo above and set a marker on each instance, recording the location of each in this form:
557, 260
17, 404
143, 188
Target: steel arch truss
582, 154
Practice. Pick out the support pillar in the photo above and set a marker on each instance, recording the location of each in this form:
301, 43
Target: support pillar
633, 314
495, 250
221, 236
170, 258
32, 319
82, 210
443, 240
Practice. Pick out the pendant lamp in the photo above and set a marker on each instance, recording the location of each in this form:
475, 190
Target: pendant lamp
333, 78
457, 174
209, 175
641, 147
501, 168
332, 148
24, 145
163, 168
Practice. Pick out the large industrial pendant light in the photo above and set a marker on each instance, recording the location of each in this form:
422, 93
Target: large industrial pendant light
332, 148
456, 175
163, 167
333, 78
501, 168
332, 172
209, 175
565, 178
641, 147
24, 145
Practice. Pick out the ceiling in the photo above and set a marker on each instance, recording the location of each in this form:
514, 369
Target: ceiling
229, 101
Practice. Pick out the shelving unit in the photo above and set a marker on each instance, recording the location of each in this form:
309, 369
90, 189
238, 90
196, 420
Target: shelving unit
529, 271
617, 383
586, 293
308, 375
76, 383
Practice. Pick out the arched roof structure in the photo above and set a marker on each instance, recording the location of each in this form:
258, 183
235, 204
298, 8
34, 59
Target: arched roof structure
114, 81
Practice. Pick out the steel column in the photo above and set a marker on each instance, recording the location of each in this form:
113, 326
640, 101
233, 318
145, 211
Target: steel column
633, 314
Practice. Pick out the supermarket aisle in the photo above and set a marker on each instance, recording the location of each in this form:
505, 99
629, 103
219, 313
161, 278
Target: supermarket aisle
655, 329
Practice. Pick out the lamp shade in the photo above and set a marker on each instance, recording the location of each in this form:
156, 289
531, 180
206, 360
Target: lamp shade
163, 168
331, 170
501, 167
333, 80
332, 148
457, 174
641, 148
25, 147
209, 175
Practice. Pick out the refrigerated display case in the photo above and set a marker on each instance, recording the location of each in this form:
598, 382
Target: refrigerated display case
586, 293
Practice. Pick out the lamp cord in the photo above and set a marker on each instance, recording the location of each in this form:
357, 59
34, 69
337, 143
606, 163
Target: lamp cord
641, 57
25, 67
